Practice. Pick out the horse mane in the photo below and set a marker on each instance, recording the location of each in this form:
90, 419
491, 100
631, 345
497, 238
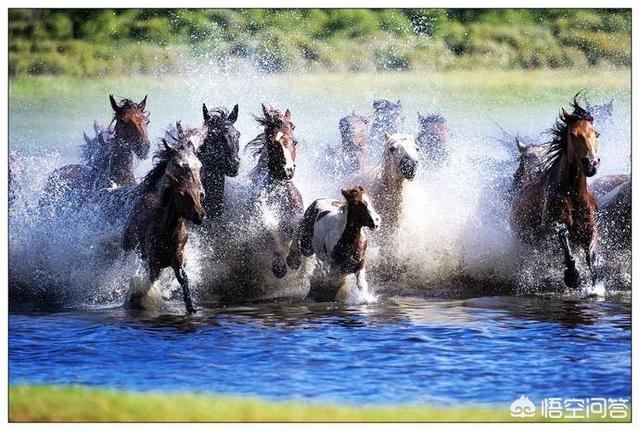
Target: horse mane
557, 145
96, 151
161, 157
128, 104
219, 113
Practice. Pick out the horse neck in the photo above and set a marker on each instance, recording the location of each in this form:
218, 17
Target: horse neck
352, 230
389, 191
358, 151
120, 169
213, 182
567, 178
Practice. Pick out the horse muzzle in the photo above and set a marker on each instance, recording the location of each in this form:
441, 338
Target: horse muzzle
408, 168
197, 217
590, 166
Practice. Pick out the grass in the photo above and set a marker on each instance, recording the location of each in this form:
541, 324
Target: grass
81, 404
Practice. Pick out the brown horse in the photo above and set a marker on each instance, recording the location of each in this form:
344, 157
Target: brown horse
333, 231
274, 197
108, 159
156, 226
530, 161
354, 131
560, 201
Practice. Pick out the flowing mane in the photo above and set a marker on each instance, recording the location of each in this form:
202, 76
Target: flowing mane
557, 146
272, 119
152, 178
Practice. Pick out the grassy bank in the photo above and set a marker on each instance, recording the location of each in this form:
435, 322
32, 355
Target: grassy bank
80, 404
102, 42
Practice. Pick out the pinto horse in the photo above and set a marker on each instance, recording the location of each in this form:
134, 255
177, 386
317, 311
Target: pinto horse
274, 196
156, 227
433, 137
219, 155
333, 231
559, 202
108, 159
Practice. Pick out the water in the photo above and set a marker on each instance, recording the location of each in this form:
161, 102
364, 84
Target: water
484, 350
438, 332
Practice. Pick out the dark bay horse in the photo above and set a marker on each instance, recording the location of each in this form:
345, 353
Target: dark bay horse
388, 117
219, 155
274, 197
559, 202
433, 138
334, 232
108, 158
156, 228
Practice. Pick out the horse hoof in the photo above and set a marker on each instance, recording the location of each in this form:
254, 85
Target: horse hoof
572, 278
294, 262
279, 271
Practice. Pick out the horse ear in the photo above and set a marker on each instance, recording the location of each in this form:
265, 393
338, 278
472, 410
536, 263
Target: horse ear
387, 136
420, 117
398, 103
166, 145
143, 103
346, 193
179, 128
86, 138
233, 116
205, 112
264, 110
287, 114
114, 104
521, 146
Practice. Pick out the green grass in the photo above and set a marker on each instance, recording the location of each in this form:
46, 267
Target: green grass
81, 404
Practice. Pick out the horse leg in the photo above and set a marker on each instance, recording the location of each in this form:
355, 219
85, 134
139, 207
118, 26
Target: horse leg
593, 260
571, 274
138, 292
361, 280
183, 279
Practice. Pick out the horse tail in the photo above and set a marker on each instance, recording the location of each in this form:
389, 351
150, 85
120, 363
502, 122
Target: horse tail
303, 242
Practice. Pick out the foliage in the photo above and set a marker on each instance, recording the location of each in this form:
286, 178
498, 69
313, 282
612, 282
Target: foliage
97, 42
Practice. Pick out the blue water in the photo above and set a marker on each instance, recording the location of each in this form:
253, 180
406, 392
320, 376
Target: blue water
485, 350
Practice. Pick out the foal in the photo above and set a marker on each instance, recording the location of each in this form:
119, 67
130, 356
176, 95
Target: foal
156, 226
560, 201
333, 231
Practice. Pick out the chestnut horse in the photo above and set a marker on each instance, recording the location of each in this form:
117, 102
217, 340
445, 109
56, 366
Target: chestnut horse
156, 227
333, 231
560, 201
108, 159
433, 137
274, 196
219, 155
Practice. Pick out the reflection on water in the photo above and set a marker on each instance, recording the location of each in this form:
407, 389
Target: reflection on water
401, 350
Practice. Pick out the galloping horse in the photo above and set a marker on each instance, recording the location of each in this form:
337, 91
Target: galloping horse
559, 201
333, 231
354, 131
433, 137
108, 159
171, 194
274, 196
219, 155
399, 164
388, 117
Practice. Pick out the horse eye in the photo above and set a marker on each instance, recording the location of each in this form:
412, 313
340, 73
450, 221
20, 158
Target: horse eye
392, 149
597, 134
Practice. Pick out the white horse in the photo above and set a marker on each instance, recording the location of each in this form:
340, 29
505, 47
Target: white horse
333, 231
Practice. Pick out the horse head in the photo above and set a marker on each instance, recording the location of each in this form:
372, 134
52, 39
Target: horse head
388, 115
131, 125
530, 159
279, 143
433, 128
360, 210
221, 143
403, 152
582, 138
183, 192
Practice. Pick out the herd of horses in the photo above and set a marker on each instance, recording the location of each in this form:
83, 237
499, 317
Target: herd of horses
549, 196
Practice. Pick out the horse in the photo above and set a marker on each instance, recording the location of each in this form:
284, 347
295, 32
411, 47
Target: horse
615, 215
604, 184
108, 158
530, 161
400, 162
433, 137
274, 196
388, 117
171, 193
219, 155
354, 133
333, 231
560, 201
